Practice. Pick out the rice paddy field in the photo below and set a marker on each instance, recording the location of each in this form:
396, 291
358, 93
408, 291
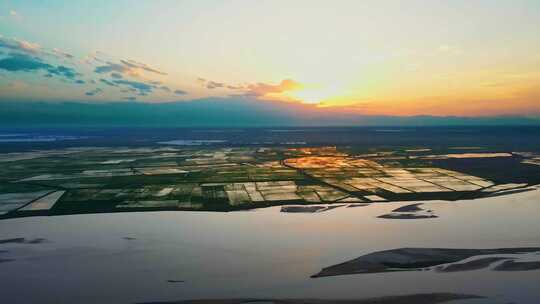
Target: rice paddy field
218, 178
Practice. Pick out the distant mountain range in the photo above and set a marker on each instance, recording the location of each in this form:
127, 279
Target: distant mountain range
218, 112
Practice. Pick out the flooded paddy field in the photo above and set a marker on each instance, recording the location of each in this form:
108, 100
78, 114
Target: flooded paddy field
216, 178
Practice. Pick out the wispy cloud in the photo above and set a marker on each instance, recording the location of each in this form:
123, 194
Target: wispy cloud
63, 54
210, 84
107, 82
116, 75
93, 92
254, 89
263, 89
214, 84
137, 65
139, 87
260, 90
142, 88
32, 48
114, 67
126, 67
19, 45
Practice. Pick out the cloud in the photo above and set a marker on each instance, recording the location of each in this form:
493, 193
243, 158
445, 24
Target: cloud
32, 48
138, 65
209, 84
141, 87
20, 62
20, 46
62, 54
213, 84
65, 71
112, 67
116, 75
262, 89
255, 89
107, 82
95, 91
91, 58
25, 56
126, 67
24, 63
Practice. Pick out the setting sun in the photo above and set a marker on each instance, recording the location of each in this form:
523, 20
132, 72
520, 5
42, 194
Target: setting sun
317, 94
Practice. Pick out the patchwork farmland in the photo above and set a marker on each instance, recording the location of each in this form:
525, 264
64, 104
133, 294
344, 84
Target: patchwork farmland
91, 180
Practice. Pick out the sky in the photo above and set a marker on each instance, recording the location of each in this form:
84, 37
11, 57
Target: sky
400, 58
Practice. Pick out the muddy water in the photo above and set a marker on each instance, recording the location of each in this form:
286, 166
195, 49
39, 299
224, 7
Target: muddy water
135, 257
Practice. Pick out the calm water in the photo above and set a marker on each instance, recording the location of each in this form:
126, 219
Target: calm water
260, 253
